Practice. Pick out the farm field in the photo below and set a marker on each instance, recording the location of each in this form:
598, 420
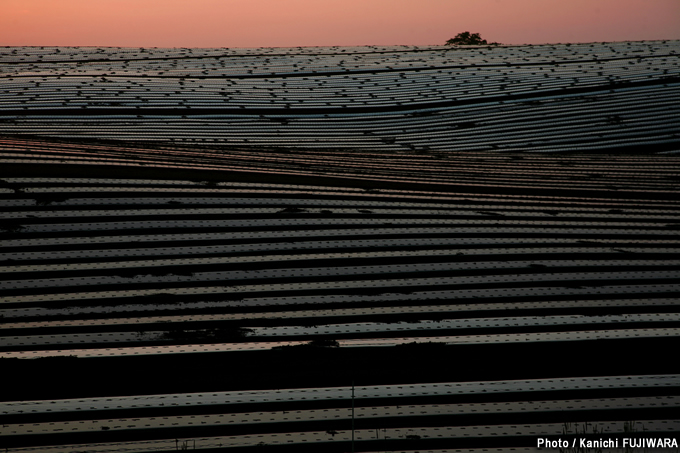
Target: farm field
469, 248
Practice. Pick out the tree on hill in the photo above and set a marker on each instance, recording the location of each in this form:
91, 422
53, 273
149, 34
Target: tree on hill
467, 39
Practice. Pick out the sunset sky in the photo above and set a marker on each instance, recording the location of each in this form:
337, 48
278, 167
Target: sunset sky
287, 23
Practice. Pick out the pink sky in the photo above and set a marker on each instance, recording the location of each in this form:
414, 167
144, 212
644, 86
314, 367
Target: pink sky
287, 23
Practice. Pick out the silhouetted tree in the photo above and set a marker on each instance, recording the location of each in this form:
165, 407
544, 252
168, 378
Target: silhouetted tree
467, 39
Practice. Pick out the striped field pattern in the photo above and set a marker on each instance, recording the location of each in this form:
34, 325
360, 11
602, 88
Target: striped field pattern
207, 248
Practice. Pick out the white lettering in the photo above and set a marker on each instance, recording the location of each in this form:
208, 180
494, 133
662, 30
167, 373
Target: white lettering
599, 443
547, 443
649, 442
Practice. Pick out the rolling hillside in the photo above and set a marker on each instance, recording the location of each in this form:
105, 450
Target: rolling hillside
229, 249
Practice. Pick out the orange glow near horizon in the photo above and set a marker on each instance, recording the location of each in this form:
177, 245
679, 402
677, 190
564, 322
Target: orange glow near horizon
290, 23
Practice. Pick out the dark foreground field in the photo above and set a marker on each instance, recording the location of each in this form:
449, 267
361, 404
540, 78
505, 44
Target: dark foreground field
143, 280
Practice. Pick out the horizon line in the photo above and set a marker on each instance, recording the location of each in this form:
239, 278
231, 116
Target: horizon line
339, 46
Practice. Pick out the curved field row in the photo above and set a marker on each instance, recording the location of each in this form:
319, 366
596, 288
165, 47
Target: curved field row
433, 100
389, 409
